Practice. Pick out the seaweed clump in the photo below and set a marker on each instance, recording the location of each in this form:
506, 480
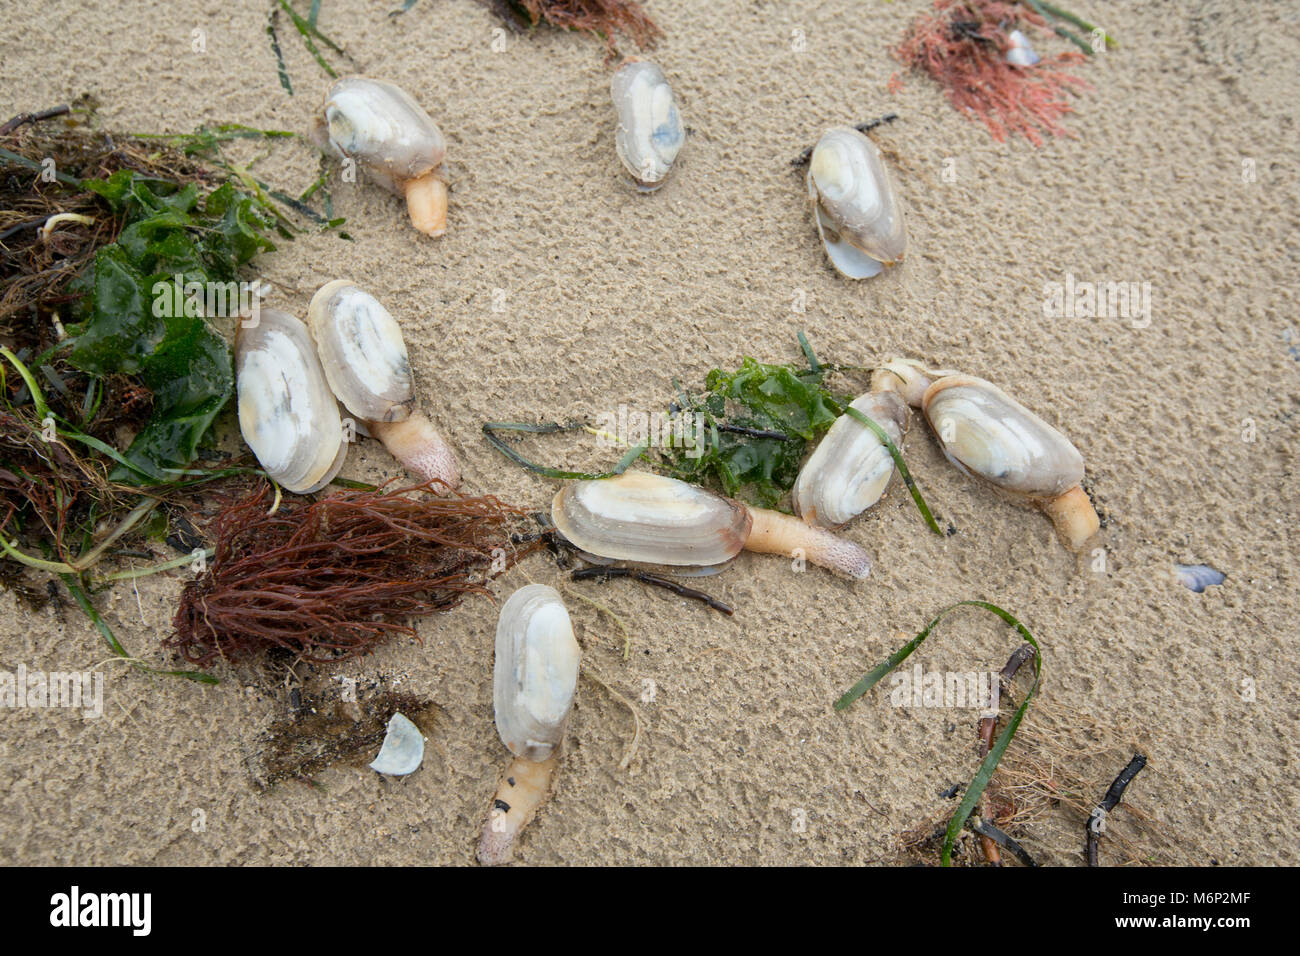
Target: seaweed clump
963, 47
602, 18
330, 579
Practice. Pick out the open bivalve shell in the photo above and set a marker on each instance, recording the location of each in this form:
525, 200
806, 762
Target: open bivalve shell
381, 127
287, 413
859, 219
650, 131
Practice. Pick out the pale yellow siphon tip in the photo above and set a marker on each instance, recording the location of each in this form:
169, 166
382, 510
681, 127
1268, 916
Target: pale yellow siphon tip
426, 201
523, 789
776, 533
1074, 517
421, 450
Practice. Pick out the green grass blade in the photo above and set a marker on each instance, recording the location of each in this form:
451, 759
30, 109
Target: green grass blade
38, 397
808, 353
901, 465
280, 68
156, 568
491, 428
32, 164
1060, 31
307, 32
1078, 21
79, 595
39, 564
982, 776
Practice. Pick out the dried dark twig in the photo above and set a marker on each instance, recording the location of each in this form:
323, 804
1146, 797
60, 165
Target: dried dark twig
985, 730
23, 119
1096, 825
608, 573
989, 832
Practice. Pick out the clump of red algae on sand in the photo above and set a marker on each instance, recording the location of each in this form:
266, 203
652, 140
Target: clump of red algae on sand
963, 47
602, 18
331, 579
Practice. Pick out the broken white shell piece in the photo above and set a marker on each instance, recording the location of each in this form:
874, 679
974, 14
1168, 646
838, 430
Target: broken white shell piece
1020, 52
403, 748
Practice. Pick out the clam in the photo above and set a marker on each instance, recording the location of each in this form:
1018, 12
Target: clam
365, 362
850, 469
287, 414
381, 127
650, 519
534, 680
987, 433
650, 130
859, 219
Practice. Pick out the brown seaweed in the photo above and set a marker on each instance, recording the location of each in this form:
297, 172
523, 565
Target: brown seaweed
331, 579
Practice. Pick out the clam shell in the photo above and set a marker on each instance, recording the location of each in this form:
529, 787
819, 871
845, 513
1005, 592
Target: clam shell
849, 470
1019, 52
650, 131
287, 414
536, 671
650, 519
1198, 577
986, 432
362, 351
382, 127
859, 219
402, 750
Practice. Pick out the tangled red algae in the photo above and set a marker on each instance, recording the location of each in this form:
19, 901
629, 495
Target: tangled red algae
332, 578
963, 45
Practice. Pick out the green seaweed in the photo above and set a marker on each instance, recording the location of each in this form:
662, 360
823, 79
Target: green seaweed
127, 327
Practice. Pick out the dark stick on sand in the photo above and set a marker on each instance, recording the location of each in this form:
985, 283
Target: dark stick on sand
606, 574
988, 831
23, 119
1097, 821
985, 730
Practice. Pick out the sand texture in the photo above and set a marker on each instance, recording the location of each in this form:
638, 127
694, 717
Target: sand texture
606, 296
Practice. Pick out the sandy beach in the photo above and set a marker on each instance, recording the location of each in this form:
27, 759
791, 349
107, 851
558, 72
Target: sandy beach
560, 293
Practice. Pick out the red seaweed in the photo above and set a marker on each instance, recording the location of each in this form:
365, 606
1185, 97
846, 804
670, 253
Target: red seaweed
962, 46
331, 579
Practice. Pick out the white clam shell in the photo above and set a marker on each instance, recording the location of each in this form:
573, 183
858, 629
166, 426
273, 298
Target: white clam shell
858, 216
986, 432
650, 519
287, 414
650, 131
362, 351
383, 128
1019, 52
535, 674
849, 470
403, 748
